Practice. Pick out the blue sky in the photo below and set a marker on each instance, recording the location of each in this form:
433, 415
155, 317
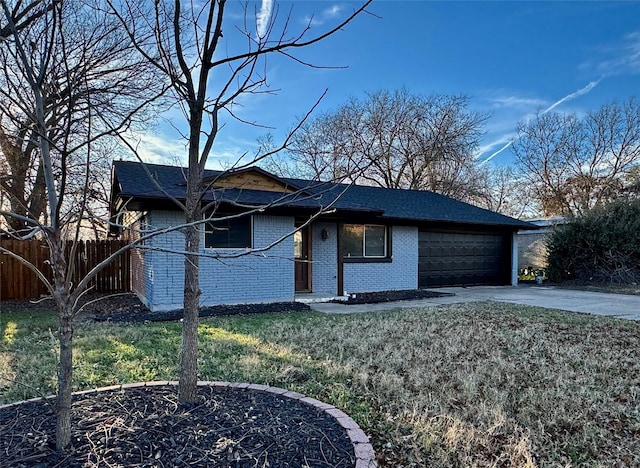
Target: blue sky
511, 58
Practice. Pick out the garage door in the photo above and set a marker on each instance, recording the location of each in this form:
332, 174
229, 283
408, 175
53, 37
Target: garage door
455, 258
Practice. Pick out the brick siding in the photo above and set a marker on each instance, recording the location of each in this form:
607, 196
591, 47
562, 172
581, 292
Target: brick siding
259, 277
400, 273
256, 277
266, 276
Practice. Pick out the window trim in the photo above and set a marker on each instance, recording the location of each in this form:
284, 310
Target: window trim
205, 231
386, 258
367, 259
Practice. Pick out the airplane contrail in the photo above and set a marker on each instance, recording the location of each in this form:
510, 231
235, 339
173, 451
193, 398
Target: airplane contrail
568, 97
263, 17
571, 96
493, 155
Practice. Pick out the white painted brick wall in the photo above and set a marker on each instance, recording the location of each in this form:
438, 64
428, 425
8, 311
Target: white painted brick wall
400, 273
269, 276
256, 277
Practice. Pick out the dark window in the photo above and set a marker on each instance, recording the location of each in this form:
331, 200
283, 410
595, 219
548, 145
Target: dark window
232, 233
364, 240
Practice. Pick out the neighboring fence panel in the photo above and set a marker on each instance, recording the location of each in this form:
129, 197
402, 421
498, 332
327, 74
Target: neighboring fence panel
17, 281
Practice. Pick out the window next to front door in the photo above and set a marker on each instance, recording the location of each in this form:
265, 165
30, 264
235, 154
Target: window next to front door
365, 242
301, 254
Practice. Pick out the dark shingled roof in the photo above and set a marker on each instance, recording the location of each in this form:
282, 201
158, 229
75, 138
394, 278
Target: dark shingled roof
131, 181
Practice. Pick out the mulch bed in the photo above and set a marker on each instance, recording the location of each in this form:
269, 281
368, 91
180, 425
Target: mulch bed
388, 296
145, 427
128, 308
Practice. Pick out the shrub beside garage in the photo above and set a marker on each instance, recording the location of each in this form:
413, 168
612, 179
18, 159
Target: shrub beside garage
602, 246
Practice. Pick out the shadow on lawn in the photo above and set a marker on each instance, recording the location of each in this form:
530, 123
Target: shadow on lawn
108, 354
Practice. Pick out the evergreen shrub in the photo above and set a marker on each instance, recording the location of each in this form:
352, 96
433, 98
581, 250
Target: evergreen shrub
602, 246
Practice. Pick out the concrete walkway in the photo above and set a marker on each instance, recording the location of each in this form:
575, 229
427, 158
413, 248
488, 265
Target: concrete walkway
614, 305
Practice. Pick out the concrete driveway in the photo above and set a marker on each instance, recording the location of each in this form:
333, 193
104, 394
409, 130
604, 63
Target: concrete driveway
614, 305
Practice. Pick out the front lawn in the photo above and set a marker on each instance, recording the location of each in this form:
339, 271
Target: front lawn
485, 384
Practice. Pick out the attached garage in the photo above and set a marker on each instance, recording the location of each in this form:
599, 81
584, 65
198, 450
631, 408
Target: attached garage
463, 258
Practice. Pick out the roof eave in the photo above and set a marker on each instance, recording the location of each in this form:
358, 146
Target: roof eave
457, 223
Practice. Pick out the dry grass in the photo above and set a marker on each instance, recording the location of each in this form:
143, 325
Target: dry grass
631, 289
484, 384
488, 384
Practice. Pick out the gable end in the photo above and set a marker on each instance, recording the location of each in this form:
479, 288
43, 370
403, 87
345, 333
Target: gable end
252, 180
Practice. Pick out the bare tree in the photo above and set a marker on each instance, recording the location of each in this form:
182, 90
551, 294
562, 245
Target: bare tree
398, 140
209, 73
507, 192
329, 147
22, 16
575, 163
94, 76
22, 179
631, 184
69, 79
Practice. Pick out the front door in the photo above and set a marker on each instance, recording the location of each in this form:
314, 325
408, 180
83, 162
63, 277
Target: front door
301, 254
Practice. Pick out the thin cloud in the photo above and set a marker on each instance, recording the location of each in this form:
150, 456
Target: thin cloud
517, 101
633, 50
326, 14
154, 149
263, 17
568, 97
619, 59
160, 150
332, 12
228, 154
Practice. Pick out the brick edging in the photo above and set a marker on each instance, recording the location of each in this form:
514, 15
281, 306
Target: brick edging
365, 456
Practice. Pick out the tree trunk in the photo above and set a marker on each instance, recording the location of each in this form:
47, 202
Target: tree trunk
65, 369
188, 383
65, 339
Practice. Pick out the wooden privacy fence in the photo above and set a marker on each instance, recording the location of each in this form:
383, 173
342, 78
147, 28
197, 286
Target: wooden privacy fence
19, 282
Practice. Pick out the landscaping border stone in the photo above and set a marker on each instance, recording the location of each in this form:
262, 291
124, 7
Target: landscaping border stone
363, 450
